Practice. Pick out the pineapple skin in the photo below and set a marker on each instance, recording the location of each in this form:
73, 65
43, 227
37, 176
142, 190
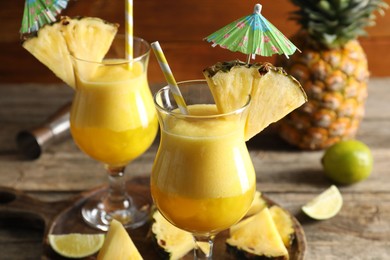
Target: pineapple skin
335, 81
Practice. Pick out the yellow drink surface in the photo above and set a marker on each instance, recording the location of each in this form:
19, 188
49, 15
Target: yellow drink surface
113, 118
203, 178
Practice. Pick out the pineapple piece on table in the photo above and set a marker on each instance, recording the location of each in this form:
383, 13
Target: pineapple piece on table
118, 244
274, 94
332, 69
258, 204
284, 224
257, 236
87, 38
171, 242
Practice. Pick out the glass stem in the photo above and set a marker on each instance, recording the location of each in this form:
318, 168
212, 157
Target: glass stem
204, 247
116, 198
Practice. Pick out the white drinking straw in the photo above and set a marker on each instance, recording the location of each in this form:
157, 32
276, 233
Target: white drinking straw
129, 29
162, 61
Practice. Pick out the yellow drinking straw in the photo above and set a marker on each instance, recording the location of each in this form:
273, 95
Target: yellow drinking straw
129, 29
162, 61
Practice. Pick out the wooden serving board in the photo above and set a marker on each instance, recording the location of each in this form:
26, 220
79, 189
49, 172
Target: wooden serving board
64, 217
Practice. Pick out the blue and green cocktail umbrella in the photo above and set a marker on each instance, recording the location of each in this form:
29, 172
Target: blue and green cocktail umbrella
40, 12
252, 35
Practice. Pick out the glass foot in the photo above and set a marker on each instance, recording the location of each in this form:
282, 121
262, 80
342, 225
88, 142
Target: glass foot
133, 216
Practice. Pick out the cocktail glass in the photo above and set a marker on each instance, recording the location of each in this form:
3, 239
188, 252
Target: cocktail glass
203, 180
113, 120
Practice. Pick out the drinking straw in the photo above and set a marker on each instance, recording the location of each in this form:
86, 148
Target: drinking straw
129, 29
162, 61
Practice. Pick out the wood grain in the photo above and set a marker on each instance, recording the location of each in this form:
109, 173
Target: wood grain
288, 176
179, 26
63, 217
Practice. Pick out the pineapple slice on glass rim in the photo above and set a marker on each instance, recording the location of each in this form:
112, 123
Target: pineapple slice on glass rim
87, 38
273, 92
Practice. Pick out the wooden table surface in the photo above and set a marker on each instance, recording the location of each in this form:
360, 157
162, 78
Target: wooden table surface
288, 176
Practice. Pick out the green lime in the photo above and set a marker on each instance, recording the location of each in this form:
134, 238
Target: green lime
347, 162
75, 245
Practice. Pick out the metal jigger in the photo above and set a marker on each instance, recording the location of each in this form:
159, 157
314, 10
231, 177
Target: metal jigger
32, 142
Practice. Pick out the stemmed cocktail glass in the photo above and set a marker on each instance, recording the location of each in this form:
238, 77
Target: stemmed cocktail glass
203, 180
113, 120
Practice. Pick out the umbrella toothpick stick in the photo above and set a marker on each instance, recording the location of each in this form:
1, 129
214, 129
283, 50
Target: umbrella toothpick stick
256, 10
248, 60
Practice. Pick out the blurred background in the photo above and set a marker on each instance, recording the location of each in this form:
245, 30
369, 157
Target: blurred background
179, 26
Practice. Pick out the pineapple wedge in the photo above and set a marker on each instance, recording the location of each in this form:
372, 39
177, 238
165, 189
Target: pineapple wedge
222, 79
257, 236
118, 244
258, 204
284, 224
274, 94
171, 242
87, 38
49, 47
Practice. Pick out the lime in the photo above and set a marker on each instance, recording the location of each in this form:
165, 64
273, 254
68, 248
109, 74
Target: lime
325, 205
347, 162
76, 245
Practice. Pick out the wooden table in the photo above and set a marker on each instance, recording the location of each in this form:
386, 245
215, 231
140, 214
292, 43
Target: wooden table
289, 177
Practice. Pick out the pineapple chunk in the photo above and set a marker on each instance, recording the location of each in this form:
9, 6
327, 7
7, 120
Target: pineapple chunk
172, 242
222, 86
258, 204
49, 47
257, 236
87, 38
274, 94
118, 244
284, 224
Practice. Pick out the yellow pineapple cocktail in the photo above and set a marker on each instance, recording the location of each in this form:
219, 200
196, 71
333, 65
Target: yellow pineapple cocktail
113, 120
203, 180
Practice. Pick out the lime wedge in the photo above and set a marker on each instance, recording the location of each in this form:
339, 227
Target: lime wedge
76, 245
325, 205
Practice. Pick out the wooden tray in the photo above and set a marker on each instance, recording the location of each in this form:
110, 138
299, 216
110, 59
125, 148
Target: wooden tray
64, 217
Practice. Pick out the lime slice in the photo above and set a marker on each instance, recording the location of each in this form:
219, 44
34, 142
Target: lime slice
325, 205
76, 245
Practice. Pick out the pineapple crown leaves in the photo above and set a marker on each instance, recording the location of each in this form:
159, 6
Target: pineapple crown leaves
333, 23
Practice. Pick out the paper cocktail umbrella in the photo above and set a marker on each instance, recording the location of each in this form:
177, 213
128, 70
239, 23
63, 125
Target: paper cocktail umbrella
252, 35
40, 12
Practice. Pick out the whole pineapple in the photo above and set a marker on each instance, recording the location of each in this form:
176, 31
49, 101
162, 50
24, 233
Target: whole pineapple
332, 69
